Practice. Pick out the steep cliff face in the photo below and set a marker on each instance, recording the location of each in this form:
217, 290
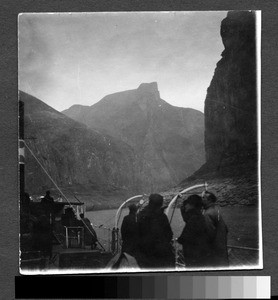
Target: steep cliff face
76, 157
231, 102
231, 117
168, 140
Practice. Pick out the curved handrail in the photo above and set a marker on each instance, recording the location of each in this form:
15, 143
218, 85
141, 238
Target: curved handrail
169, 206
182, 192
122, 205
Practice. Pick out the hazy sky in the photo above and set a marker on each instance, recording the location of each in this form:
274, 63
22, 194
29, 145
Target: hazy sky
67, 59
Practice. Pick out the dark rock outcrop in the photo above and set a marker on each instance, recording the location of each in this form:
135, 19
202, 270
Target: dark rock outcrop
231, 117
231, 102
168, 140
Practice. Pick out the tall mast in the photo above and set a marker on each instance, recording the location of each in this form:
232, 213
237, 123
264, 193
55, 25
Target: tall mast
21, 150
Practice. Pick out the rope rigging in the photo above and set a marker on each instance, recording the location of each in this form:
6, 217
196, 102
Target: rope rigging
62, 194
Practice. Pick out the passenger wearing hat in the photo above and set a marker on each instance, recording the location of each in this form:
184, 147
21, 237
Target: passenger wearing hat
155, 236
195, 237
48, 206
129, 231
218, 228
47, 198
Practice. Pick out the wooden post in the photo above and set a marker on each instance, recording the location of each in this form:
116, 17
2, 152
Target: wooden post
67, 238
21, 154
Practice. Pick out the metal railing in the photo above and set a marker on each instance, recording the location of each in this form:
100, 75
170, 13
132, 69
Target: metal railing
74, 237
104, 235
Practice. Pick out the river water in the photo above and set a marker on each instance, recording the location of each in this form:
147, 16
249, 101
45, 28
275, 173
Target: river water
242, 222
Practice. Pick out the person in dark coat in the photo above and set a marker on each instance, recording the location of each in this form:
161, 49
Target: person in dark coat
69, 219
47, 198
48, 206
129, 231
90, 236
42, 236
218, 228
195, 238
155, 236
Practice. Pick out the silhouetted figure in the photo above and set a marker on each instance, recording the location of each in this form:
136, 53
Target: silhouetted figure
155, 236
90, 236
195, 238
25, 214
42, 236
218, 228
47, 198
69, 218
129, 232
48, 206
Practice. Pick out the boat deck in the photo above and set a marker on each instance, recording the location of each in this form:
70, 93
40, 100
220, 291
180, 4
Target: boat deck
79, 258
87, 259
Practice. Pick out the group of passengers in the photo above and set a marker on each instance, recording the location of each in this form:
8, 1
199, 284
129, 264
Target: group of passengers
38, 224
148, 236
42, 225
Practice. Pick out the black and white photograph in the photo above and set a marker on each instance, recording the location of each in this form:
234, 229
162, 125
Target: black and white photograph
139, 142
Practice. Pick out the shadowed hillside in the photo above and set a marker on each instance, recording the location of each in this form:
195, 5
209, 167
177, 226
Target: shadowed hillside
168, 140
93, 165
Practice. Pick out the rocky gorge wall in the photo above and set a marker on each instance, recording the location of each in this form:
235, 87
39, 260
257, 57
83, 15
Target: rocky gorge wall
231, 101
231, 118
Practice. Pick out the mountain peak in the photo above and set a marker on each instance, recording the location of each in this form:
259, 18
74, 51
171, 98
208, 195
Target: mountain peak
149, 88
